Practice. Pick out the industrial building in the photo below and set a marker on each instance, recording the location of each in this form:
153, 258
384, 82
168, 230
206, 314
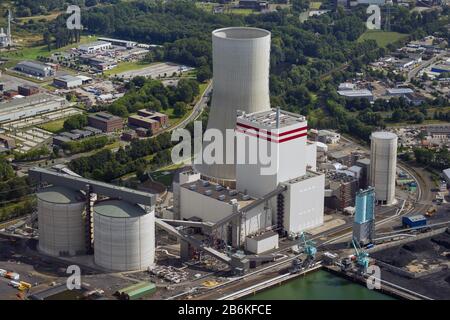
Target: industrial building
35, 69
95, 46
118, 42
383, 158
67, 82
27, 90
398, 92
340, 190
162, 118
144, 122
31, 106
355, 94
241, 60
105, 122
364, 219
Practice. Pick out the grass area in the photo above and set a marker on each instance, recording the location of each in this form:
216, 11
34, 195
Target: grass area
55, 126
206, 6
243, 12
315, 5
127, 66
165, 175
47, 17
383, 38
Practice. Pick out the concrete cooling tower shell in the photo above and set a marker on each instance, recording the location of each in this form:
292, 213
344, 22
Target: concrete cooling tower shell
383, 163
241, 61
124, 236
61, 221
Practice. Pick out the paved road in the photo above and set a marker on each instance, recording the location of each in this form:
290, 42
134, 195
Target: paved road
413, 72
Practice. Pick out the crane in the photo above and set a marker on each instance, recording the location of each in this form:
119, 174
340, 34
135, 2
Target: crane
309, 246
362, 257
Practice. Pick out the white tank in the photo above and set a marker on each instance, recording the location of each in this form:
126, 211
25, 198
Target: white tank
241, 60
61, 221
124, 236
383, 163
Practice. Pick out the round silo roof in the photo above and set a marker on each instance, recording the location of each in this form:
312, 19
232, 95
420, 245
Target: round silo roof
384, 135
118, 209
60, 195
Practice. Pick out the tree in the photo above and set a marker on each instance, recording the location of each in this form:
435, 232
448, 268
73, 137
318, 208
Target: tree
179, 109
204, 73
77, 121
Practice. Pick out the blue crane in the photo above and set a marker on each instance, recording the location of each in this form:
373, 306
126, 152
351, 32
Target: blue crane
362, 257
308, 245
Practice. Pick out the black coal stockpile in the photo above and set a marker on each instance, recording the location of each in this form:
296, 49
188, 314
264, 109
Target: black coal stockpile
398, 257
419, 246
443, 240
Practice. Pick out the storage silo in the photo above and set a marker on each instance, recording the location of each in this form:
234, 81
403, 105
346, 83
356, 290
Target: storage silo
241, 60
61, 221
383, 163
124, 236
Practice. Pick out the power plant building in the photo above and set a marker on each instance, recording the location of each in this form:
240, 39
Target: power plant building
241, 60
61, 219
364, 219
383, 163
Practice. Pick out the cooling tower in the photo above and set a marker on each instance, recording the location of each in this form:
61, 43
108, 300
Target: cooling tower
241, 58
383, 163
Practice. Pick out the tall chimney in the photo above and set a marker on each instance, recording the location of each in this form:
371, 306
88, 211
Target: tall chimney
241, 60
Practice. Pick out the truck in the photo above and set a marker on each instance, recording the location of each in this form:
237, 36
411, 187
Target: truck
12, 275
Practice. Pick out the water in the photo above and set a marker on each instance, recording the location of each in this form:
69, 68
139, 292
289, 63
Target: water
319, 285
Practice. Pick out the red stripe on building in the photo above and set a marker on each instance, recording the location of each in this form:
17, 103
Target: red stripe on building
257, 135
271, 133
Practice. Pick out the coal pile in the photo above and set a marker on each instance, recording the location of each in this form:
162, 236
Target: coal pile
398, 257
447, 279
419, 246
443, 240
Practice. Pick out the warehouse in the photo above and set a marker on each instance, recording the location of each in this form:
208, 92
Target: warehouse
31, 106
67, 82
35, 69
95, 46
355, 94
118, 42
27, 90
398, 92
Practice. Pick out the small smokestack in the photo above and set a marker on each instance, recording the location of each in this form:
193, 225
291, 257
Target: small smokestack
278, 117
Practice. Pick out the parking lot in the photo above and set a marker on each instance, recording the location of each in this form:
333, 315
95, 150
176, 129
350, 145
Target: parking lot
155, 71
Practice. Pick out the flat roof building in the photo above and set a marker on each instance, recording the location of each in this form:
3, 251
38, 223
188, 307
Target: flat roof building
105, 122
27, 90
354, 94
95, 46
144, 122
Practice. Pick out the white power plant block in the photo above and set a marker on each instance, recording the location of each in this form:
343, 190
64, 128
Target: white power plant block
383, 163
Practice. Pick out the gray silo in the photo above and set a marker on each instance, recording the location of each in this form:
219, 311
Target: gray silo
383, 164
61, 221
124, 236
241, 61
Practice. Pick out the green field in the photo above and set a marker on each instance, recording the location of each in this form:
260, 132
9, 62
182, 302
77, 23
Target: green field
56, 126
127, 66
383, 38
315, 5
